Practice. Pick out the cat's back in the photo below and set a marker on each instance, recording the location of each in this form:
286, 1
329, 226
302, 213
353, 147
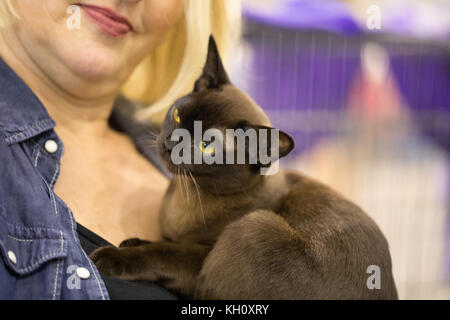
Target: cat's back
339, 236
317, 210
307, 200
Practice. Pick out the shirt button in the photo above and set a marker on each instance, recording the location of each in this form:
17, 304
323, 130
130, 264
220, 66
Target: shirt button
83, 273
12, 257
51, 146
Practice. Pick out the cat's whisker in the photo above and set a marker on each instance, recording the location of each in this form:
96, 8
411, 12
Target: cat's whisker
151, 133
150, 138
147, 140
149, 145
185, 180
198, 194
178, 177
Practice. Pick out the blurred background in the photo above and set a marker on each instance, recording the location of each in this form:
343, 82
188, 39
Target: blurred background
363, 86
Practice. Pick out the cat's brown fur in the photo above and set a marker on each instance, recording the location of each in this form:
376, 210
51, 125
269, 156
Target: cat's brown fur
231, 233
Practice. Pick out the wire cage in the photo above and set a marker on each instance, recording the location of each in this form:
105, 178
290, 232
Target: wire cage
371, 117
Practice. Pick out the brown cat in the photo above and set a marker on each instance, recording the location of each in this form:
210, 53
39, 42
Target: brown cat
232, 233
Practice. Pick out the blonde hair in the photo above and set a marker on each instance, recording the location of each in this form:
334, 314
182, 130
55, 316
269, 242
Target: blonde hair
170, 71
7, 12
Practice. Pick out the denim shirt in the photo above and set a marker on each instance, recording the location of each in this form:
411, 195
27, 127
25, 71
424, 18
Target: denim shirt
40, 253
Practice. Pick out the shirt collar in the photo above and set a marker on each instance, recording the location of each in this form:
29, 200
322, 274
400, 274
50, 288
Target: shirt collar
22, 115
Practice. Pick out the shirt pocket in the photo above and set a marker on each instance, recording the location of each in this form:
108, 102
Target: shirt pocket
26, 250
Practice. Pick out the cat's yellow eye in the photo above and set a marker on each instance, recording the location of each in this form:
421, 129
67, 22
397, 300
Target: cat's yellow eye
206, 147
176, 116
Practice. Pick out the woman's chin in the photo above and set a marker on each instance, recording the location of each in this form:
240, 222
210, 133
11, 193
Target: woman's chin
89, 74
95, 70
94, 61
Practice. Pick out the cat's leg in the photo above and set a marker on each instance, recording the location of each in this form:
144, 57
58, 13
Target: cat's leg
258, 256
173, 265
133, 242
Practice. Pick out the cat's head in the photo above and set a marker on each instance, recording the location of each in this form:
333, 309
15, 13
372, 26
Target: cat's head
215, 103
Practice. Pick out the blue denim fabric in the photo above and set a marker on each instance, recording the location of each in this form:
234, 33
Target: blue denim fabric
39, 248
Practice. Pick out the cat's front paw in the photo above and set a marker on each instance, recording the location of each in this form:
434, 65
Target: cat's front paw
133, 242
114, 262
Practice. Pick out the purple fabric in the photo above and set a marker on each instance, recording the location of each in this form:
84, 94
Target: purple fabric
423, 76
326, 15
297, 70
405, 19
300, 72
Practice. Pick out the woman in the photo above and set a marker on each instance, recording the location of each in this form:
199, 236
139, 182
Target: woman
76, 171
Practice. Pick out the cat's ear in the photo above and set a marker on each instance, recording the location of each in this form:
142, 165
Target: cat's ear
214, 74
285, 142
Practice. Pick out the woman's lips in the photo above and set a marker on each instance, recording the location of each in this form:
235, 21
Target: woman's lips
108, 20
